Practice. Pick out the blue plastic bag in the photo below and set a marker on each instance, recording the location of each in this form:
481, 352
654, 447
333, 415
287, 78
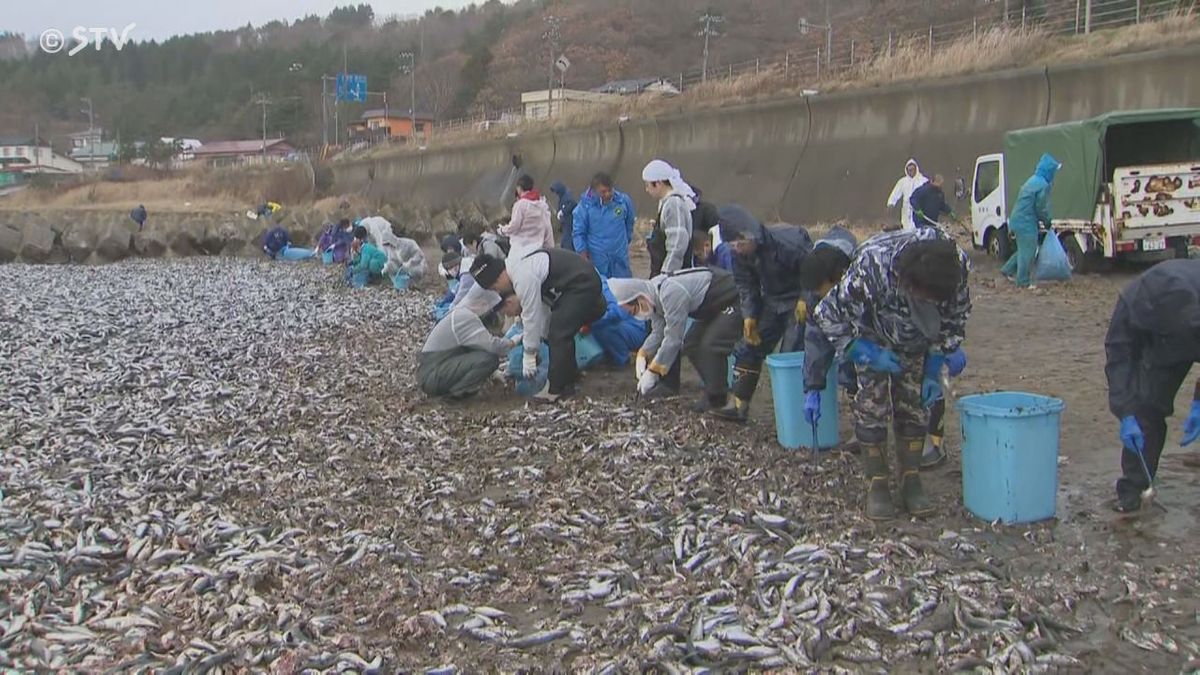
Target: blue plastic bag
400, 281
1052, 263
526, 387
588, 351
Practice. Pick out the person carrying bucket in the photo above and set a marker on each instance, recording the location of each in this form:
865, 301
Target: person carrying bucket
706, 295
766, 269
901, 307
1153, 340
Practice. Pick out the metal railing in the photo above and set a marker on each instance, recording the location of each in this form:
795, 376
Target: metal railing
849, 57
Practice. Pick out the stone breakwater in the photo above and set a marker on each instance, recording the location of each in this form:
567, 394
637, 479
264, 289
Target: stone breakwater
105, 236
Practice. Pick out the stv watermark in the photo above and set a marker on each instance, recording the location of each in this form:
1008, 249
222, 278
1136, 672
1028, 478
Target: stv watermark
52, 40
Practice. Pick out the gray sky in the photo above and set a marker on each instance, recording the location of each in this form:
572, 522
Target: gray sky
159, 19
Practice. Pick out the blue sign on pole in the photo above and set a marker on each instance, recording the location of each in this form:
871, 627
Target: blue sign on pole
351, 87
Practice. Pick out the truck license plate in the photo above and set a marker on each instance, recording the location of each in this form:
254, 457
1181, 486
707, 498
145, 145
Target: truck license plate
1154, 244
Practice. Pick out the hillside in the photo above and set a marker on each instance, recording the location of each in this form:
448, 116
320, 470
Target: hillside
476, 59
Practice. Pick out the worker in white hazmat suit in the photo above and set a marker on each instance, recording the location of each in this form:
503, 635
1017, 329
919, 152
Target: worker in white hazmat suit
903, 192
404, 255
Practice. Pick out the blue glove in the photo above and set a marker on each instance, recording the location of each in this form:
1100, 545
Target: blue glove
873, 357
956, 362
1131, 434
931, 391
812, 407
933, 366
1191, 426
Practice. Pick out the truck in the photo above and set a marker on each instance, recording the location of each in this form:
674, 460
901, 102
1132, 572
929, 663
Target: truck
1128, 188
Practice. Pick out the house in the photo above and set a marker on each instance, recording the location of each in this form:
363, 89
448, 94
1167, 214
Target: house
396, 124
539, 105
186, 149
94, 155
87, 137
645, 85
229, 153
27, 155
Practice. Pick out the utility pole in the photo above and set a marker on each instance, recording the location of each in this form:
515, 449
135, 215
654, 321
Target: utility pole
91, 142
264, 102
708, 19
551, 37
408, 63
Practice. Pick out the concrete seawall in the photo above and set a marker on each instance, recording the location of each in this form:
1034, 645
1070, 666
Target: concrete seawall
807, 159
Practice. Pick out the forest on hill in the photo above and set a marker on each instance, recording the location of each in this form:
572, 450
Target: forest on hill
468, 61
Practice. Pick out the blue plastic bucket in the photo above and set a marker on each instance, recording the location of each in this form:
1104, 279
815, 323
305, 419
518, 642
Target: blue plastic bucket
523, 386
588, 351
787, 388
327, 257
1010, 455
400, 281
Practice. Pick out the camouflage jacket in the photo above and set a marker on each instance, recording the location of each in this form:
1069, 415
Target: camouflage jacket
868, 301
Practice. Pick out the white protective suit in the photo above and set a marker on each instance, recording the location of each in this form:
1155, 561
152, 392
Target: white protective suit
403, 254
903, 192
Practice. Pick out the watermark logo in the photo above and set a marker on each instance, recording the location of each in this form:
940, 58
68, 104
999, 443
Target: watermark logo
52, 40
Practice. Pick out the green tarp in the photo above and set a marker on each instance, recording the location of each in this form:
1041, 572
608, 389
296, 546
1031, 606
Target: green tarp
1090, 149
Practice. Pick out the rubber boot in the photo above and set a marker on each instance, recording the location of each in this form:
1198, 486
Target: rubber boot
708, 402
743, 390
933, 454
879, 497
911, 491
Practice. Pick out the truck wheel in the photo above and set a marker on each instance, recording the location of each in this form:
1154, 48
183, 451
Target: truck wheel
998, 244
1081, 262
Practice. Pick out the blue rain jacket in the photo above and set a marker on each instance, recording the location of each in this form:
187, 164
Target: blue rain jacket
617, 331
604, 231
1033, 201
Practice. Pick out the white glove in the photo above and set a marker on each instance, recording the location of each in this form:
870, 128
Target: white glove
640, 365
516, 338
529, 365
647, 381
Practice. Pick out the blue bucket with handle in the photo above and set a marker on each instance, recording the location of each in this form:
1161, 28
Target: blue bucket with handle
1010, 455
787, 388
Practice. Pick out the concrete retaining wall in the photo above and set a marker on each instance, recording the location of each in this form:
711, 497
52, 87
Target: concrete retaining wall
802, 160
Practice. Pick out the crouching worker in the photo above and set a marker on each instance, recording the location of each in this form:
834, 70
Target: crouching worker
709, 296
619, 332
367, 264
1153, 340
460, 354
899, 309
831, 257
559, 292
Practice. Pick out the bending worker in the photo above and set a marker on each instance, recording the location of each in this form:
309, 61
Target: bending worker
559, 293
898, 311
1153, 340
766, 268
460, 354
1033, 206
709, 296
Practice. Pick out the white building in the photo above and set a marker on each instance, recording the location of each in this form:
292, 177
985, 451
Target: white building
539, 105
27, 155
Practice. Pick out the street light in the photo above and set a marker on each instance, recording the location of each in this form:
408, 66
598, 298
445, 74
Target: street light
411, 67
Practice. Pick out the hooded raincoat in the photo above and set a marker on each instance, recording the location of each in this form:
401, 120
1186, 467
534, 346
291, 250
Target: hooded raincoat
566, 214
1032, 207
603, 231
903, 191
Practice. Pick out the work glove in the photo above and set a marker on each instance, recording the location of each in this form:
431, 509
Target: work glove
647, 381
801, 312
956, 362
812, 407
750, 332
1131, 434
640, 364
1191, 425
516, 338
931, 391
873, 357
529, 365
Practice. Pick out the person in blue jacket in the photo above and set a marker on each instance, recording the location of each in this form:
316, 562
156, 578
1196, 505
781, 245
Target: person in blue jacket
566, 215
1033, 205
618, 332
603, 225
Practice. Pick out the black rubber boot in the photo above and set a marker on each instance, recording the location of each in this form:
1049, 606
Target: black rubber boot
911, 492
879, 497
708, 402
738, 409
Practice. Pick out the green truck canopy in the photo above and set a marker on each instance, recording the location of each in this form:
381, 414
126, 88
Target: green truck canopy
1090, 149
